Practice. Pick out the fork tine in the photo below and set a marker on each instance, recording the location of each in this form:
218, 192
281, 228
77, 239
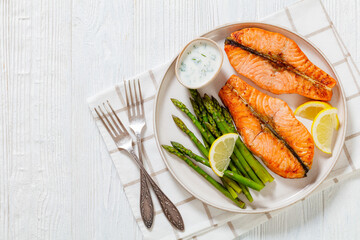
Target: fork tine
131, 97
107, 128
131, 102
102, 120
127, 97
108, 121
119, 121
137, 102
141, 98
113, 120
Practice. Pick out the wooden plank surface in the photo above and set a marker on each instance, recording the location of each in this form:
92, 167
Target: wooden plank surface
35, 126
57, 180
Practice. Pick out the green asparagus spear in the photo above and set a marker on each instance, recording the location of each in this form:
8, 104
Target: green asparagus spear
206, 134
229, 188
206, 145
232, 184
216, 104
204, 161
198, 115
244, 188
206, 117
227, 117
189, 153
194, 94
212, 130
234, 176
259, 169
192, 136
196, 109
217, 116
212, 181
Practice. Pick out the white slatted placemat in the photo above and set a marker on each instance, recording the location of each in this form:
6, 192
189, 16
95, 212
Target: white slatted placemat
309, 19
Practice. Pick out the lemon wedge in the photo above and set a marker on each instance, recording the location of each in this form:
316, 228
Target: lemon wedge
309, 110
323, 127
220, 152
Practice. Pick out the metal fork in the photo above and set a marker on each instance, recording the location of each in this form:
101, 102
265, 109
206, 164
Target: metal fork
123, 141
136, 114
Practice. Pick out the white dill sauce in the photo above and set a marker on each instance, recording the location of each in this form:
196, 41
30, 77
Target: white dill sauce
199, 63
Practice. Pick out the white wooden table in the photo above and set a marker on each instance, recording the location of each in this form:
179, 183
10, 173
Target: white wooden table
56, 178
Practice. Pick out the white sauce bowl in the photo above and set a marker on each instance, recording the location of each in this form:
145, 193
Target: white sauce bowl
196, 60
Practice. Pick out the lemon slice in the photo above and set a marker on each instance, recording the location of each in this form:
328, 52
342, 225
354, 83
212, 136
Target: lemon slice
309, 110
323, 127
220, 152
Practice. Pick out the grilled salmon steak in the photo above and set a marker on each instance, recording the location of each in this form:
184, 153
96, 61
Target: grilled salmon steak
277, 64
269, 129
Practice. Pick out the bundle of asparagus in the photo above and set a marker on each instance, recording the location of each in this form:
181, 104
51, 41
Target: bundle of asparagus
213, 120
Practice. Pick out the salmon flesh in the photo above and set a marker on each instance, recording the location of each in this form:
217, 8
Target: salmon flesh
277, 64
269, 129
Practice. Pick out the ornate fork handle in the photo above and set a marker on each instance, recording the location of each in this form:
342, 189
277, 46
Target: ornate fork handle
169, 209
146, 204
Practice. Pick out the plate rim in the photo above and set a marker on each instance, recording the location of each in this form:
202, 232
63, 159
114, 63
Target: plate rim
253, 211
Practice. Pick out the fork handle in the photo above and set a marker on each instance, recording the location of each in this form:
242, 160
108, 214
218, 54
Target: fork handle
146, 204
169, 209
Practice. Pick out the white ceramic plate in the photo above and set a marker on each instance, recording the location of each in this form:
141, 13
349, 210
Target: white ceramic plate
281, 192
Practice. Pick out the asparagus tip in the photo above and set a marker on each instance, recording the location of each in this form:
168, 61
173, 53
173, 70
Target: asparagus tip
166, 147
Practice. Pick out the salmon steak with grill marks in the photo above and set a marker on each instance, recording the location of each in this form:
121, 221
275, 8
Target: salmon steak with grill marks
269, 129
277, 64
